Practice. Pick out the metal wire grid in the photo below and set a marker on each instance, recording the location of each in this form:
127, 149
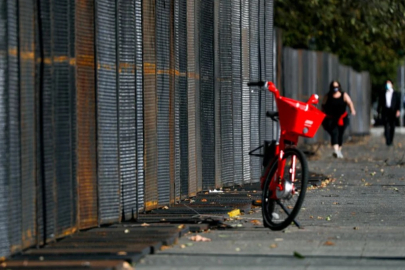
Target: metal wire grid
236, 30
48, 124
15, 206
73, 107
269, 59
27, 122
86, 115
183, 102
179, 186
109, 201
226, 92
163, 99
62, 111
126, 106
150, 106
217, 97
255, 117
4, 134
246, 111
140, 177
190, 27
207, 94
197, 20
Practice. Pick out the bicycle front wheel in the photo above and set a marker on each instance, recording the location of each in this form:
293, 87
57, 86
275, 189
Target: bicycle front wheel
278, 214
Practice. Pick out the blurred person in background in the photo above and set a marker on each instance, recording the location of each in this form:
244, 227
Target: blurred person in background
334, 105
389, 105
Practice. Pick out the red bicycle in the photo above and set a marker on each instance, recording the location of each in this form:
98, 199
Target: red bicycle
285, 175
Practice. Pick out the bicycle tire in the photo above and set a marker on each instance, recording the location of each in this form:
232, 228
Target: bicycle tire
269, 205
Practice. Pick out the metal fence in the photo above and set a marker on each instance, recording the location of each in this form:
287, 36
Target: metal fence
109, 108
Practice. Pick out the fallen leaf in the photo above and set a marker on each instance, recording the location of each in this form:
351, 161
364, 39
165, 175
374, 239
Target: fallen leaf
319, 217
165, 207
126, 231
273, 245
298, 255
255, 222
164, 247
335, 203
203, 200
237, 249
311, 216
122, 253
145, 224
355, 228
182, 246
328, 218
373, 173
290, 207
279, 239
396, 189
189, 244
199, 238
328, 243
124, 266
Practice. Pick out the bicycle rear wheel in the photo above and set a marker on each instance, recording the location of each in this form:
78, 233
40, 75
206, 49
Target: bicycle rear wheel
278, 214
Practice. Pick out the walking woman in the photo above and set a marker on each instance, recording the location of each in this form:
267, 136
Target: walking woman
334, 106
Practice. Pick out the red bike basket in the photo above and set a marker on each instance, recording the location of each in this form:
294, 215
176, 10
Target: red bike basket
298, 117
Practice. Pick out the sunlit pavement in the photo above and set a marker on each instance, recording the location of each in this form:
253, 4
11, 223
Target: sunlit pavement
356, 221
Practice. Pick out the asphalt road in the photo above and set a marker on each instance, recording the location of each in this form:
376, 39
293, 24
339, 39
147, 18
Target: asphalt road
354, 222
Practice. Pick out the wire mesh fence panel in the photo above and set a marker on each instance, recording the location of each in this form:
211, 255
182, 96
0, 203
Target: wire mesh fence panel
255, 117
39, 183
66, 211
28, 120
189, 25
226, 92
163, 99
179, 186
48, 130
217, 98
245, 69
86, 115
197, 21
207, 94
14, 210
308, 67
4, 135
126, 106
150, 106
109, 199
182, 99
140, 142
269, 59
73, 107
236, 89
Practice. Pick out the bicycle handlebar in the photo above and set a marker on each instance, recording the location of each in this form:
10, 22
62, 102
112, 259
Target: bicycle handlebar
260, 83
269, 85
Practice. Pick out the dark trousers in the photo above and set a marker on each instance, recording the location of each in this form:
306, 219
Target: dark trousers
389, 128
335, 131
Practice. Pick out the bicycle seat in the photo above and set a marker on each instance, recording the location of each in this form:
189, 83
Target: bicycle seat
273, 115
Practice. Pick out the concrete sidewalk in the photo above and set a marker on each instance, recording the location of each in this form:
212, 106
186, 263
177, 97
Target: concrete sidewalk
355, 222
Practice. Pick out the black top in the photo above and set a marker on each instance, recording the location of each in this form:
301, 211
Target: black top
335, 107
395, 103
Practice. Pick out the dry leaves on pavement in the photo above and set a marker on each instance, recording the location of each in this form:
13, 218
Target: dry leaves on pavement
199, 238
